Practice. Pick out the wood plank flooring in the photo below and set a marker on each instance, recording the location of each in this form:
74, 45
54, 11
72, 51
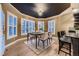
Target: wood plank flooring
21, 49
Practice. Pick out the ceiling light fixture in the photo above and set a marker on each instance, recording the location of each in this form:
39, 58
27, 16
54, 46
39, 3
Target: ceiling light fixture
40, 13
40, 8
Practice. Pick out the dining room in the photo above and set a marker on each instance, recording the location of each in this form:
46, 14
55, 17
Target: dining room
40, 29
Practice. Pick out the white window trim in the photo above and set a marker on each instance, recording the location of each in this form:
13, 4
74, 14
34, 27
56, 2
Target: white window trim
54, 26
9, 13
21, 26
32, 21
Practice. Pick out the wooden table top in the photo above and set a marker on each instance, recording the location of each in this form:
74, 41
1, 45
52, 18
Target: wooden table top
37, 33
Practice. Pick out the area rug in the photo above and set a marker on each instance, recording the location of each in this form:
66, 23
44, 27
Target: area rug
53, 48
40, 48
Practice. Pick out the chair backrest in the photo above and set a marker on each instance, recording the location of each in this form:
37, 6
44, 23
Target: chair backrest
31, 36
71, 31
45, 35
59, 35
50, 34
63, 33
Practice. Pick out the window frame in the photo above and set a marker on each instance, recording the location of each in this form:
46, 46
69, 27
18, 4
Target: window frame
53, 24
32, 23
43, 26
3, 21
22, 25
28, 26
14, 16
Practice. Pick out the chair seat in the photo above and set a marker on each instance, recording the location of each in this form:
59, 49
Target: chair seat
65, 39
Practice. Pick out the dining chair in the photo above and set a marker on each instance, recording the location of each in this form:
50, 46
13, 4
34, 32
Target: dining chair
64, 41
63, 33
30, 37
43, 38
71, 31
50, 37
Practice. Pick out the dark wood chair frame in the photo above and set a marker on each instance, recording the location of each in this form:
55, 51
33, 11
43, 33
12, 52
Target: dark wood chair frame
62, 43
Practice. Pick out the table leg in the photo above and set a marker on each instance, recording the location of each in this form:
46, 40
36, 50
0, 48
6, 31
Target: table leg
36, 41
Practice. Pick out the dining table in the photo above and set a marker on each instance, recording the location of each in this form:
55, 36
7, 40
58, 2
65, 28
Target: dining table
36, 34
75, 43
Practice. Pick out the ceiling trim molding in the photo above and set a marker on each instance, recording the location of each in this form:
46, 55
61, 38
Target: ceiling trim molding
33, 18
27, 16
65, 12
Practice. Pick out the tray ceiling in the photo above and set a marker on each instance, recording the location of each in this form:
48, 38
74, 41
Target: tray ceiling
41, 10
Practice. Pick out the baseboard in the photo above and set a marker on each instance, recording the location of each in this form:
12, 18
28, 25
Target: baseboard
8, 45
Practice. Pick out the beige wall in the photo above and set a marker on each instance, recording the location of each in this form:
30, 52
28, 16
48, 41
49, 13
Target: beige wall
67, 18
58, 25
7, 7
63, 20
75, 5
67, 21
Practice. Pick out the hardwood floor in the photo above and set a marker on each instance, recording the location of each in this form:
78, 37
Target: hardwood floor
21, 49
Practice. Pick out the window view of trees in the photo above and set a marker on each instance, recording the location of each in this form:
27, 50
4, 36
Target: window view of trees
40, 26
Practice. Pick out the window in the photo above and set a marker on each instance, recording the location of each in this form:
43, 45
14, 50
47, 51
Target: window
40, 26
11, 25
2, 37
27, 26
3, 20
31, 26
24, 26
51, 26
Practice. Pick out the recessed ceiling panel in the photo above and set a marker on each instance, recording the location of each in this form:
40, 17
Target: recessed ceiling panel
43, 10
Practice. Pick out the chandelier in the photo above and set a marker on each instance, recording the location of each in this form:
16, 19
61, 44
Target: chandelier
40, 8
